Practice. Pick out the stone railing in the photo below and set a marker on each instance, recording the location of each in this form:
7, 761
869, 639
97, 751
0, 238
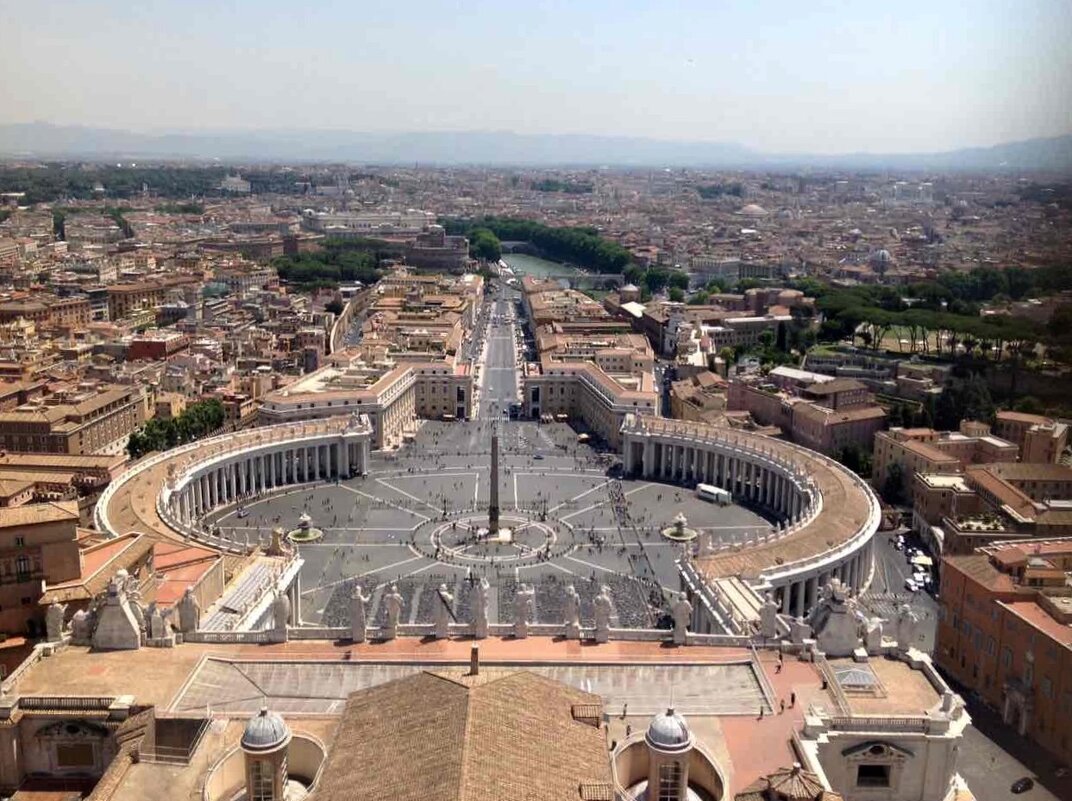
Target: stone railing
880, 724
466, 630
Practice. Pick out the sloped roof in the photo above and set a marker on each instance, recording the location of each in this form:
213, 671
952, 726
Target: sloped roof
457, 737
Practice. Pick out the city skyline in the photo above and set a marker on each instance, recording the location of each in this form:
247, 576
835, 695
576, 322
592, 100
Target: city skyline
828, 80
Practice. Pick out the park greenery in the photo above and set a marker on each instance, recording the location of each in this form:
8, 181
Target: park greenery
567, 187
159, 434
583, 247
339, 261
180, 208
58, 181
483, 244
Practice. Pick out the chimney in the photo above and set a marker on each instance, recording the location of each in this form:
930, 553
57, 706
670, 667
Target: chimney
474, 661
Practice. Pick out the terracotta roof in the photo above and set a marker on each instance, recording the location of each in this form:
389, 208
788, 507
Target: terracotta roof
456, 737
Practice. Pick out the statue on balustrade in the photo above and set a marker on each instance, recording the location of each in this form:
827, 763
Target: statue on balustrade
189, 611
54, 621
443, 613
907, 627
573, 613
524, 610
480, 607
393, 602
682, 612
604, 609
357, 613
280, 616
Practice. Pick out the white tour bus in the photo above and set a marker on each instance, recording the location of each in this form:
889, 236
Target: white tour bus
717, 495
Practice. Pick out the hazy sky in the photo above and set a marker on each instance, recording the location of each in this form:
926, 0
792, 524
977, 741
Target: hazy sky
804, 75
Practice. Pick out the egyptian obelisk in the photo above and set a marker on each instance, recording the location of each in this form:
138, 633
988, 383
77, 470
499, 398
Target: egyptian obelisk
493, 506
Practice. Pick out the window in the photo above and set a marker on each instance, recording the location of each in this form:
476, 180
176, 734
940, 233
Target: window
261, 781
22, 567
669, 782
1006, 656
1046, 686
873, 776
20, 541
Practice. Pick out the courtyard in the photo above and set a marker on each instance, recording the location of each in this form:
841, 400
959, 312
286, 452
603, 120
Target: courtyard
419, 518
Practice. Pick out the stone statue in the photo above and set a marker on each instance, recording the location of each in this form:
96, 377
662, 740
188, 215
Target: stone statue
604, 608
393, 601
443, 613
54, 621
682, 612
573, 613
524, 610
768, 618
480, 608
280, 616
157, 628
907, 623
81, 627
134, 598
357, 613
117, 626
189, 611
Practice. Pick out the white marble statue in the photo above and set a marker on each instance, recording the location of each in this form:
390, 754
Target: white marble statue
54, 621
604, 608
768, 618
443, 613
524, 610
82, 627
480, 608
681, 609
189, 611
280, 616
157, 627
357, 613
393, 602
573, 613
907, 624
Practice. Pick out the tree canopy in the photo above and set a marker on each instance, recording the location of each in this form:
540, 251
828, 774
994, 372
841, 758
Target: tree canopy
580, 246
198, 420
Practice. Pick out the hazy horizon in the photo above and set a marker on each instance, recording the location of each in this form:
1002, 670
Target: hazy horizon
778, 77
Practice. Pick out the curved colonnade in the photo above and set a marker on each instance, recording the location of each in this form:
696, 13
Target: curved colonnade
828, 515
169, 494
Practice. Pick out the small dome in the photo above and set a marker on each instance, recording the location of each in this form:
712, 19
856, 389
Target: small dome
669, 732
265, 731
753, 210
630, 288
881, 257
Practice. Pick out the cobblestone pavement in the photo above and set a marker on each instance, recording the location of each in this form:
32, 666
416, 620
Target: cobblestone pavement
573, 521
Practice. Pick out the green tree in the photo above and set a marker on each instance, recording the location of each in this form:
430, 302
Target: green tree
893, 488
483, 244
677, 295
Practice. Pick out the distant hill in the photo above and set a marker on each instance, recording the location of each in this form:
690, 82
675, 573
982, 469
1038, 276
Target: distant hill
494, 148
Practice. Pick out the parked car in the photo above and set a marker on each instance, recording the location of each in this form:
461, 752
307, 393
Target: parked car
1022, 785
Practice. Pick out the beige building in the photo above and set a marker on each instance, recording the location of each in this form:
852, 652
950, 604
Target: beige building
1040, 439
86, 420
38, 544
926, 451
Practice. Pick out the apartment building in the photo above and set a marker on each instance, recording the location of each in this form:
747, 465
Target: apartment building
87, 419
1040, 439
38, 544
924, 450
1005, 632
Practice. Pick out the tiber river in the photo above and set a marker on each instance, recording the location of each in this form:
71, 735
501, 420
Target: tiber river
532, 265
